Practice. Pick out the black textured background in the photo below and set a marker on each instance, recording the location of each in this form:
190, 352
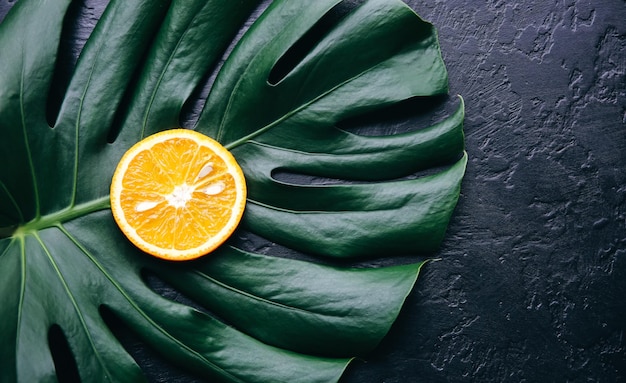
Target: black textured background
532, 282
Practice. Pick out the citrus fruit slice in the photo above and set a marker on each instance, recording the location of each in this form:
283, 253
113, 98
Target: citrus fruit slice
178, 194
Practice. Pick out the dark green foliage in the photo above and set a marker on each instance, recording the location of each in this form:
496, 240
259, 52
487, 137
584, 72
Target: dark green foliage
63, 261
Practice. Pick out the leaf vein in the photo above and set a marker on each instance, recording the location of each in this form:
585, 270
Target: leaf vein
292, 112
77, 128
161, 75
72, 299
135, 305
13, 201
264, 300
31, 163
20, 305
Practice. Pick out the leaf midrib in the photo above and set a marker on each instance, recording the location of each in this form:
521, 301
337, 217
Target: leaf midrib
290, 113
293, 112
73, 211
61, 216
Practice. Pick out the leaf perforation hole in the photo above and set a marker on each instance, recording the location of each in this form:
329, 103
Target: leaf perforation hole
123, 108
192, 107
62, 356
408, 115
170, 292
436, 166
154, 366
78, 23
305, 44
253, 243
309, 180
420, 170
5, 7
290, 177
194, 104
7, 231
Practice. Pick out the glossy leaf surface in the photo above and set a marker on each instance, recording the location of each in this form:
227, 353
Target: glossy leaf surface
277, 102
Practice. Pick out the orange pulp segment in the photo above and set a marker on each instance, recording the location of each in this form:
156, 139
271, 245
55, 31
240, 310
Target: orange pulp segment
178, 194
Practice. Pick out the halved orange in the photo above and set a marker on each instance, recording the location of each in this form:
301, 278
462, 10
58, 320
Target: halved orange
178, 194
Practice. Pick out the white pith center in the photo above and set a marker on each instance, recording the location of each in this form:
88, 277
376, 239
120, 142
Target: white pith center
180, 196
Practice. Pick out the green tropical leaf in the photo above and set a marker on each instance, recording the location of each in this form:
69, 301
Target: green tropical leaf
277, 103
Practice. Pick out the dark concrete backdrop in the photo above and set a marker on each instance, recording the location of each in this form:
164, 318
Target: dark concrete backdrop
532, 282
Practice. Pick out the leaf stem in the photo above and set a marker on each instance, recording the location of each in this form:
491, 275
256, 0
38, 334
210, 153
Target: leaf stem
64, 215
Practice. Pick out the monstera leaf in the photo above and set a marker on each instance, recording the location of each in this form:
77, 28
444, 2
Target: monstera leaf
277, 102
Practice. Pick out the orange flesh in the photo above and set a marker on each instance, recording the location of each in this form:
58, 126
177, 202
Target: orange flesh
178, 195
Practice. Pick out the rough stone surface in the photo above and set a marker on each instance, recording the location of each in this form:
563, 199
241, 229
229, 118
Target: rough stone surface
532, 277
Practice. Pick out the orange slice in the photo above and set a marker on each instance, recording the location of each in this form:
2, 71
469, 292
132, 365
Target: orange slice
178, 194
